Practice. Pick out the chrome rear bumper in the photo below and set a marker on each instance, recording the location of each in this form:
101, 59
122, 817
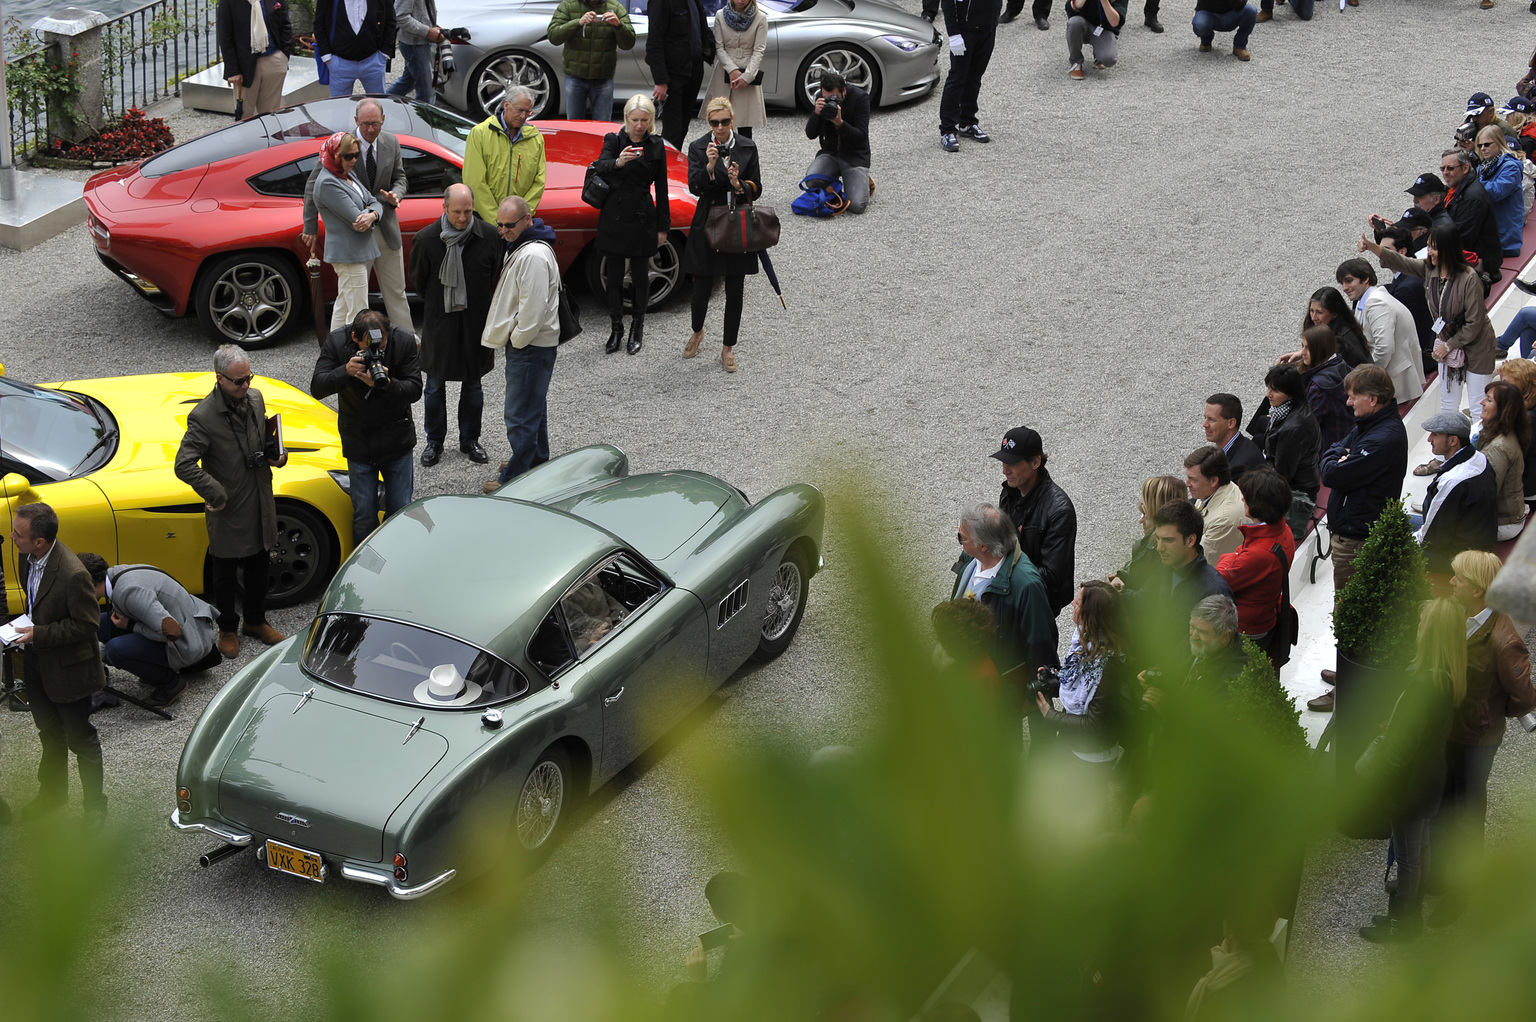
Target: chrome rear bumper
234, 837
387, 880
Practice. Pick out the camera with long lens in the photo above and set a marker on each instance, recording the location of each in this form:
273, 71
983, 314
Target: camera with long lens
1044, 681
373, 358
457, 35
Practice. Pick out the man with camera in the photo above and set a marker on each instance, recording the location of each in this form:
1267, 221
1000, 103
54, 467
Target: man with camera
972, 29
227, 456
376, 370
1097, 22
840, 121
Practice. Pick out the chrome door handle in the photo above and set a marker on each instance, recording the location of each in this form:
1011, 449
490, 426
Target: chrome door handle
610, 700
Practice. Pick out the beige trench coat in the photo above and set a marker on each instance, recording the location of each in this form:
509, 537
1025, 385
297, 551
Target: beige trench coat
248, 522
741, 51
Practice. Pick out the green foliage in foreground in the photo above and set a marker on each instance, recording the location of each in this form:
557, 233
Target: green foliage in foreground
1377, 616
1258, 698
876, 871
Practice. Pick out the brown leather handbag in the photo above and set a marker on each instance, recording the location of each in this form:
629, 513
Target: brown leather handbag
741, 227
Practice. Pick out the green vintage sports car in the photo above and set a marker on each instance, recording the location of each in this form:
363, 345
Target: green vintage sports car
494, 657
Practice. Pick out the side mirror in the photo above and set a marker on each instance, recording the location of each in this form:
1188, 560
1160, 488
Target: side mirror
14, 484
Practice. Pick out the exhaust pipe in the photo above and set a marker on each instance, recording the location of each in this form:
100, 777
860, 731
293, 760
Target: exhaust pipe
209, 858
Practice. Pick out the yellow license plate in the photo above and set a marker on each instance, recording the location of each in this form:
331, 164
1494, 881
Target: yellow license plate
288, 859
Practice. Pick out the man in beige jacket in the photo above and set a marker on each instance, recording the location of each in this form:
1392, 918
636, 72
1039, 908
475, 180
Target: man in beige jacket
1209, 478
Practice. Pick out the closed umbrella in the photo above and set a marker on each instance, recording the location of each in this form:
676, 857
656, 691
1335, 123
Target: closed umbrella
773, 277
239, 101
317, 298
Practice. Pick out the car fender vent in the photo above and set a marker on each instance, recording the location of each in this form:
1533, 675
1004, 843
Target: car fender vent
733, 603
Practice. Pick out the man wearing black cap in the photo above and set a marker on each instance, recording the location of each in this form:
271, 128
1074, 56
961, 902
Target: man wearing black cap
1481, 113
1469, 207
1428, 194
1461, 507
1041, 511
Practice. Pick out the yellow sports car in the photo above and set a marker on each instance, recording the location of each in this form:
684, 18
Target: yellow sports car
102, 454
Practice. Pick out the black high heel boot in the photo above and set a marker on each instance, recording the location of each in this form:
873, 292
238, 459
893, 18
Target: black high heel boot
615, 338
636, 329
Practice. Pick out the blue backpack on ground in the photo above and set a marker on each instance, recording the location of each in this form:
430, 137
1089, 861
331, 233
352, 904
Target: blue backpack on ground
819, 196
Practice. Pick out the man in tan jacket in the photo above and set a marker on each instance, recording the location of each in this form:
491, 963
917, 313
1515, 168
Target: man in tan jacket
1208, 475
61, 659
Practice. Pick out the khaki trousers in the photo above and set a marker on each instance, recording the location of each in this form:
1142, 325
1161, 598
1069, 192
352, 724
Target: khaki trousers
352, 289
266, 91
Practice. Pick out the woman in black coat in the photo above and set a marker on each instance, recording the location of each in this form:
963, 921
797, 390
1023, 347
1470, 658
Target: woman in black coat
1292, 440
632, 225
720, 164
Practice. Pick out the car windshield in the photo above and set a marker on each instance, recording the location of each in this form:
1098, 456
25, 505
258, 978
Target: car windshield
406, 664
56, 434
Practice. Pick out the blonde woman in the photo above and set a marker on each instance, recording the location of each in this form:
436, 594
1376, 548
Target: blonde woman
721, 164
741, 39
1502, 178
636, 217
1407, 764
1155, 492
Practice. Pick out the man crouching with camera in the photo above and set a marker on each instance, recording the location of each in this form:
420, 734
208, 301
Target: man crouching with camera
376, 370
840, 122
228, 458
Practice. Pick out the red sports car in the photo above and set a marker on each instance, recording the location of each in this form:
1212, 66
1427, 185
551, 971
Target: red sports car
213, 224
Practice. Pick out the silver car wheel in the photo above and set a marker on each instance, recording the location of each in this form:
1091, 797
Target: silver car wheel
666, 272
538, 807
502, 73
250, 302
783, 601
852, 64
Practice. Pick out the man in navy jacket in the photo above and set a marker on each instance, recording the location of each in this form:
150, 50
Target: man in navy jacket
356, 39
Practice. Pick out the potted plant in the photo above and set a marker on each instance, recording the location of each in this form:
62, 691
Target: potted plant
135, 137
1375, 622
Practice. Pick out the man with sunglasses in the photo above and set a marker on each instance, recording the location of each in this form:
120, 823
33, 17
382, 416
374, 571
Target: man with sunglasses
225, 457
1468, 205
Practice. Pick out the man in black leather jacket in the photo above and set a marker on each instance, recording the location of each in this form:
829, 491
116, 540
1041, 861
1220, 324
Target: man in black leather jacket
1041, 511
373, 415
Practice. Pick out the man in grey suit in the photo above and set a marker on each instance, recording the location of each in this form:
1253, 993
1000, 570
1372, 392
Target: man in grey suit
379, 164
153, 628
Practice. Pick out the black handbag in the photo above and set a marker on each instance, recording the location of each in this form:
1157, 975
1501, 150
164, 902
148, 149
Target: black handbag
595, 189
570, 319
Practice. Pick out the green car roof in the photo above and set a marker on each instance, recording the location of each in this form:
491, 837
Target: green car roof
471, 566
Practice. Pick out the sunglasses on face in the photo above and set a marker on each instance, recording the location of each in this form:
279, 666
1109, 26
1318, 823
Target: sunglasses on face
719, 124
348, 156
508, 227
239, 381
1486, 145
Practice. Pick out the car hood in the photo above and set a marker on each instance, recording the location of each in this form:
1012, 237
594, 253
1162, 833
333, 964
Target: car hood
655, 513
341, 770
151, 414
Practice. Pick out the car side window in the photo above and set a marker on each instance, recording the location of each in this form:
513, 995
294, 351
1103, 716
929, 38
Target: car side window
426, 175
550, 647
600, 604
287, 179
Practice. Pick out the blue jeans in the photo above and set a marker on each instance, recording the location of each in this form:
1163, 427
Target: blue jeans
1522, 329
434, 399
418, 71
142, 657
1206, 25
588, 99
369, 71
1303, 8
399, 480
527, 410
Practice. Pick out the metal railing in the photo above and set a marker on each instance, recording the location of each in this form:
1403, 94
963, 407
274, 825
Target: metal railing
28, 128
148, 51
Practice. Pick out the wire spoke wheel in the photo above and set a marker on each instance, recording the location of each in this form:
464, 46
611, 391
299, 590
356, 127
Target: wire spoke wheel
539, 804
783, 601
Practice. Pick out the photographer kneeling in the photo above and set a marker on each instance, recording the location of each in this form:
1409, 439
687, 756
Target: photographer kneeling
840, 120
376, 370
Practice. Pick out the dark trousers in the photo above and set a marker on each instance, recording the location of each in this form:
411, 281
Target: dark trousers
678, 108
63, 728
1465, 801
1038, 9
434, 400
962, 87
143, 657
640, 277
702, 286
227, 590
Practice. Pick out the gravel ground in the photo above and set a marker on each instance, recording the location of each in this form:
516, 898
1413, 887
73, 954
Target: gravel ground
1126, 246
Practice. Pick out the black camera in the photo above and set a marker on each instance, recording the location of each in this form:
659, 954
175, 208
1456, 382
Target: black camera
1047, 679
257, 459
832, 107
373, 358
1467, 132
457, 35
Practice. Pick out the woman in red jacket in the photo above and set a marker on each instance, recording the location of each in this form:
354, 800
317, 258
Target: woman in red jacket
1252, 570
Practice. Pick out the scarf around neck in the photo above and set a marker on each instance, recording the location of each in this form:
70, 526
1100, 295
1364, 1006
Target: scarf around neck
739, 20
259, 38
1080, 677
451, 273
1277, 415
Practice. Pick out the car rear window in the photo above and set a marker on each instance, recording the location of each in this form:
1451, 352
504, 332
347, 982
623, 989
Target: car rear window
236, 140
404, 663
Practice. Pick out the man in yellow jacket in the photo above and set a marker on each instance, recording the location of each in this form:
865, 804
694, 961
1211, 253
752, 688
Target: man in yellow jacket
504, 156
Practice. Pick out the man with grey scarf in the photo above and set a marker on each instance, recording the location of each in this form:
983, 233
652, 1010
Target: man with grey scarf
455, 264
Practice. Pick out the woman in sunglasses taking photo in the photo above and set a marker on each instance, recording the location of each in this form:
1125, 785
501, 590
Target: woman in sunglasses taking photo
350, 212
721, 165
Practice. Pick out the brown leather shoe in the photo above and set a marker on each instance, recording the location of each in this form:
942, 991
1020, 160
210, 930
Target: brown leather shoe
1322, 704
229, 645
490, 486
692, 347
1264, 16
728, 359
1241, 54
264, 633
1331, 677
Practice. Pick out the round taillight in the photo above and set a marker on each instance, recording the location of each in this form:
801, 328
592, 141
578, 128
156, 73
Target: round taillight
183, 794
400, 873
399, 860
182, 805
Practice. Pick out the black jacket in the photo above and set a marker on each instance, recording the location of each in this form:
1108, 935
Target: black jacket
1364, 471
1473, 214
374, 422
234, 31
851, 141
1410, 291
1530, 459
679, 42
1468, 519
1159, 614
450, 341
1352, 347
1093, 13
1293, 449
1047, 524
1244, 454
972, 19
698, 258
376, 36
628, 222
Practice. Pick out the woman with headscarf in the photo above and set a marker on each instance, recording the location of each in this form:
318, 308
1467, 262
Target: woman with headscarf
351, 215
741, 40
635, 217
255, 40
